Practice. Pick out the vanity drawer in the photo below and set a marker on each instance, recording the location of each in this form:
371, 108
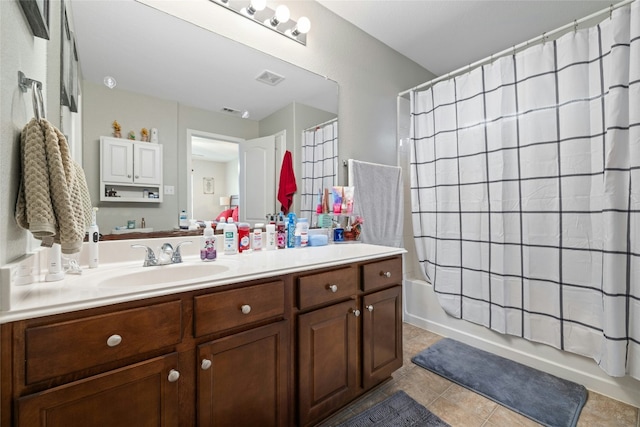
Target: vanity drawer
380, 274
225, 310
322, 288
67, 347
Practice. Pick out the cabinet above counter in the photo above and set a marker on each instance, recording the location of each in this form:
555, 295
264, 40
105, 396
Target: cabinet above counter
130, 171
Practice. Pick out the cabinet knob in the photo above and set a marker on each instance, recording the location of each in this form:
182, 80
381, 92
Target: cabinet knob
246, 309
137, 176
370, 307
114, 340
128, 176
356, 312
333, 288
206, 364
173, 376
386, 274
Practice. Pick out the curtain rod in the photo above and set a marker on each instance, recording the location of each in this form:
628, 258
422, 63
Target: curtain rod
518, 47
314, 127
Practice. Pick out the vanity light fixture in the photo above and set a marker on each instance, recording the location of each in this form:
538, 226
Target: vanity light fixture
278, 20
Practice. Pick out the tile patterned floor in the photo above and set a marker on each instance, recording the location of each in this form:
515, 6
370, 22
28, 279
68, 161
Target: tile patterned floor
463, 408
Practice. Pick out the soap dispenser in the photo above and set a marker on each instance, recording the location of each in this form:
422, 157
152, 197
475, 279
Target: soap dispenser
208, 246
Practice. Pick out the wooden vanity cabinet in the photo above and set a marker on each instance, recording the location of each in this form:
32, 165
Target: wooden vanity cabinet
243, 377
143, 394
101, 367
349, 334
285, 350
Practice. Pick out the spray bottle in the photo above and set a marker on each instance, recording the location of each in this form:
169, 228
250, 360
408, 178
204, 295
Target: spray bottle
94, 237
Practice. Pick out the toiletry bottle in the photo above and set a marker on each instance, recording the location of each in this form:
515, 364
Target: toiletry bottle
94, 237
271, 237
230, 238
208, 246
143, 224
221, 223
282, 234
256, 244
184, 223
244, 243
291, 230
303, 225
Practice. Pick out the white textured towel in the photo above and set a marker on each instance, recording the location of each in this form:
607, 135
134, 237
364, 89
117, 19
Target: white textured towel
378, 197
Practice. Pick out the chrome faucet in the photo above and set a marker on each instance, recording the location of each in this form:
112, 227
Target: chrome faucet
168, 255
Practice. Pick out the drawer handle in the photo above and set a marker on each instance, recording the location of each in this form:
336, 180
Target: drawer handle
356, 312
370, 308
206, 364
333, 288
386, 274
246, 309
173, 376
114, 340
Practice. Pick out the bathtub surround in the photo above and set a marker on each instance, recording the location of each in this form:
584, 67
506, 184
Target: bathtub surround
524, 191
546, 399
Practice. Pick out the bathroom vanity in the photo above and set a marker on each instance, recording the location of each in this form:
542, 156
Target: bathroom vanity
273, 338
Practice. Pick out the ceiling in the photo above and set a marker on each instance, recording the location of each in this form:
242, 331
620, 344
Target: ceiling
445, 35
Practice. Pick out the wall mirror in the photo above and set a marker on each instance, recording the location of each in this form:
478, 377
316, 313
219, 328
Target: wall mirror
193, 86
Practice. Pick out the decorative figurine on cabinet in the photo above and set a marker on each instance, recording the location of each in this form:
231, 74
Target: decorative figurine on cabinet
116, 129
144, 135
132, 135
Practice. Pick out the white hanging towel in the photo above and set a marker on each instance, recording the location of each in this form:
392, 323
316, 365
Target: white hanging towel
378, 199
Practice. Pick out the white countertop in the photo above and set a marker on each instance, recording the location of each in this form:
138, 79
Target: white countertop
116, 282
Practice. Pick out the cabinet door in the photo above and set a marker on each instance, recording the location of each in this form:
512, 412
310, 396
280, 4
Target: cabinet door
147, 163
116, 160
328, 357
243, 378
144, 394
382, 335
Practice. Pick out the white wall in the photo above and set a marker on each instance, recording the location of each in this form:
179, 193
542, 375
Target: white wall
207, 206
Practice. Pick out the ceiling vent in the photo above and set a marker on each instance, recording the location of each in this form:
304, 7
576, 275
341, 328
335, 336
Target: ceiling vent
270, 78
230, 110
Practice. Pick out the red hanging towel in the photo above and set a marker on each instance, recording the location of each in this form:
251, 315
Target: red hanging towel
287, 187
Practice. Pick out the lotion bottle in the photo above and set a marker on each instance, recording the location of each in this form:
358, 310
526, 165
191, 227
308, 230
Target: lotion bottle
271, 237
94, 237
230, 239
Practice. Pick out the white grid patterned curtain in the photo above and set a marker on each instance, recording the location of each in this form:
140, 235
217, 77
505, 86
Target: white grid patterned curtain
525, 177
319, 164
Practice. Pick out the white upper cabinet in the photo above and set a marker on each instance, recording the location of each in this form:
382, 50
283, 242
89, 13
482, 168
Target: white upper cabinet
130, 170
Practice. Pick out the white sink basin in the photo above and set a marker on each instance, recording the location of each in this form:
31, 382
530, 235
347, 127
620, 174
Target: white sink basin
164, 274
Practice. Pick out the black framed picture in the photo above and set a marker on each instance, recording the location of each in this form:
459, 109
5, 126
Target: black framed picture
73, 75
37, 13
65, 57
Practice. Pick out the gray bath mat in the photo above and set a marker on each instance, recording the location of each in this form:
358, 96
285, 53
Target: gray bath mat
398, 410
544, 398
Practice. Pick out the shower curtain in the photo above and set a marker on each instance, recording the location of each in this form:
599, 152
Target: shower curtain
525, 192
319, 164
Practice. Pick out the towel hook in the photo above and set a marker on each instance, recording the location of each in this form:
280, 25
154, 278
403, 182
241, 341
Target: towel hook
36, 94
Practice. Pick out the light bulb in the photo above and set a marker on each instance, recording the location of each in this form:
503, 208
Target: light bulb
110, 82
304, 25
282, 13
258, 4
